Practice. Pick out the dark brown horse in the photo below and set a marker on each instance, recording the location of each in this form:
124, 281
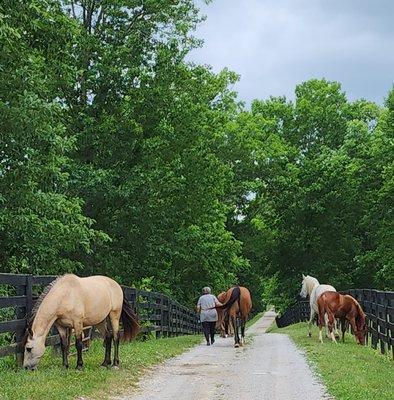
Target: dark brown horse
237, 303
344, 307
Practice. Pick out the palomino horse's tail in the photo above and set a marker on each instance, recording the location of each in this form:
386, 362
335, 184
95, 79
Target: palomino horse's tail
130, 323
235, 295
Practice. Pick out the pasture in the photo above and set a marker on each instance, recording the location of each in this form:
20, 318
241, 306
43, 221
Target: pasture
350, 371
50, 381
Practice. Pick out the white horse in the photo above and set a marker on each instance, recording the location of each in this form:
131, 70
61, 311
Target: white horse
312, 287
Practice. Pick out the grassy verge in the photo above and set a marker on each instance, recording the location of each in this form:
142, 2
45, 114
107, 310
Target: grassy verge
350, 371
254, 319
50, 381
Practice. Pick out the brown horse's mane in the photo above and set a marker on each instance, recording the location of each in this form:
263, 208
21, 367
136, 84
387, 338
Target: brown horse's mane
39, 301
360, 317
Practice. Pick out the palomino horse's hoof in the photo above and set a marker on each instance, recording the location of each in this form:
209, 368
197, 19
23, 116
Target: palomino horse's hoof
309, 334
115, 367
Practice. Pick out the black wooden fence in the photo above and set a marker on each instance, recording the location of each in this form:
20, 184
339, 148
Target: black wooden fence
157, 312
378, 306
299, 312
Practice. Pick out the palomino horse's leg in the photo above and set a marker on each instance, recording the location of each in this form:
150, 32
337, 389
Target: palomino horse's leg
114, 316
65, 336
78, 329
107, 336
311, 317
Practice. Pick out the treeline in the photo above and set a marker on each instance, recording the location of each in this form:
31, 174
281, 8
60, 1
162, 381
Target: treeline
118, 157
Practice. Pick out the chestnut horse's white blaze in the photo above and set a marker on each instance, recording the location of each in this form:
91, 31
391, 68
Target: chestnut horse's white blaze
70, 303
312, 288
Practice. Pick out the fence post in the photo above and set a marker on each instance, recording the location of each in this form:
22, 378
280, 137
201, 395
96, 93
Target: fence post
159, 302
23, 312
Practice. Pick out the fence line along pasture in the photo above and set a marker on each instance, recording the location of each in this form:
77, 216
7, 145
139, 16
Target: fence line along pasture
157, 312
377, 305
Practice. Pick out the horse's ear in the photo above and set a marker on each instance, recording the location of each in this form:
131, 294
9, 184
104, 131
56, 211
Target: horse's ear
303, 276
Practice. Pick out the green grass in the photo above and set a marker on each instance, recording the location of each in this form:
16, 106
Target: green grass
350, 371
50, 381
254, 319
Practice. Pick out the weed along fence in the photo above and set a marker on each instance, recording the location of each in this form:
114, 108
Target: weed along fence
158, 314
378, 306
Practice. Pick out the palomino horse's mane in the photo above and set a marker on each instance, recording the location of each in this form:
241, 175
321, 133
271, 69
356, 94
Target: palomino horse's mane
39, 301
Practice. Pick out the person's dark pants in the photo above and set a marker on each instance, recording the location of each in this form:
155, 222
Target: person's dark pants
209, 330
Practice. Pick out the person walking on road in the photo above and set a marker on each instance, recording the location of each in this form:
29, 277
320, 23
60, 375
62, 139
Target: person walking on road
208, 314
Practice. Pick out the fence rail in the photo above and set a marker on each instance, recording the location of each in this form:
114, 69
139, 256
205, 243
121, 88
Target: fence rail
377, 305
157, 312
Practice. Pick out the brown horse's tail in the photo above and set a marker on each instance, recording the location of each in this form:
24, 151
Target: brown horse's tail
131, 327
321, 305
235, 295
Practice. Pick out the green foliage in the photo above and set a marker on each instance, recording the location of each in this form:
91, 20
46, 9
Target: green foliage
313, 190
41, 225
118, 157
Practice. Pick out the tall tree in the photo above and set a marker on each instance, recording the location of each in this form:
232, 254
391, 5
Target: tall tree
41, 226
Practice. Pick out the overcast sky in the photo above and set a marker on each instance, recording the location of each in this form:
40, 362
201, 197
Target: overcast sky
275, 44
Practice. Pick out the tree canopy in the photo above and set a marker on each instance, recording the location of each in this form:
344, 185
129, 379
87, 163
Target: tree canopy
119, 157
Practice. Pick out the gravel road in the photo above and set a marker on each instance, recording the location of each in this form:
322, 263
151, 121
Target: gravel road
269, 366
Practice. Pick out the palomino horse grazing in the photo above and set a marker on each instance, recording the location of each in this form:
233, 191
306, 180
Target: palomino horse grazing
345, 307
312, 288
223, 324
71, 302
237, 303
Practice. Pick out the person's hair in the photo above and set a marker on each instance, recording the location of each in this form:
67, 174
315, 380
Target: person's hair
206, 290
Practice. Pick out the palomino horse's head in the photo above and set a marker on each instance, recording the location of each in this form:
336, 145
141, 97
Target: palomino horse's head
34, 349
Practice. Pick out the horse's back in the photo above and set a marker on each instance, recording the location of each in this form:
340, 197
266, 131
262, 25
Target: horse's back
99, 285
323, 288
94, 296
246, 298
317, 292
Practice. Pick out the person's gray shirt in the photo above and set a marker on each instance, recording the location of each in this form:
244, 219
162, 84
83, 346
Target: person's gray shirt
206, 302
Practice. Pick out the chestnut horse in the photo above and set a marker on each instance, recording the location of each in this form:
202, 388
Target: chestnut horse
71, 302
344, 307
237, 303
